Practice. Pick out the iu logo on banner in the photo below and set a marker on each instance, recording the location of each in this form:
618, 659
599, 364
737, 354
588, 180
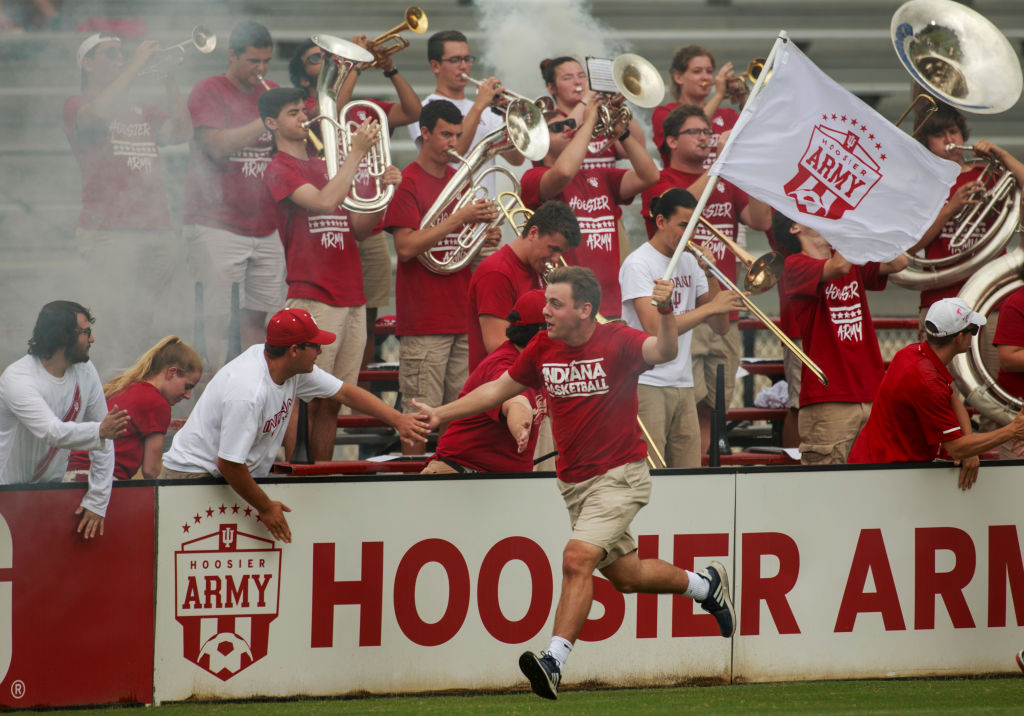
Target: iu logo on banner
836, 171
227, 585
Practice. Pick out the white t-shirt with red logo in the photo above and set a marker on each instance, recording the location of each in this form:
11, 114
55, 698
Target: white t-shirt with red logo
594, 195
838, 333
637, 276
592, 397
320, 250
228, 194
242, 416
426, 303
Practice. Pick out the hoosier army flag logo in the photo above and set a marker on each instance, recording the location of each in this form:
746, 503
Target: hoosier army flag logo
227, 585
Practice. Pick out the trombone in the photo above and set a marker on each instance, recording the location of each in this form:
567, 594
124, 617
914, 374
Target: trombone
391, 41
511, 205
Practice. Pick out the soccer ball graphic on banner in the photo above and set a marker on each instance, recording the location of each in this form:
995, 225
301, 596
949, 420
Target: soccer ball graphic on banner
225, 654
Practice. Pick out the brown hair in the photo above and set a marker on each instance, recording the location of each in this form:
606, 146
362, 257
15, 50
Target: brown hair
584, 285
549, 66
681, 61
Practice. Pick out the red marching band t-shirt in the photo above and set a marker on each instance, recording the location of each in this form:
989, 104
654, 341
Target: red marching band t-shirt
483, 442
838, 333
148, 413
320, 250
724, 120
594, 195
426, 303
1010, 332
939, 248
122, 181
722, 211
497, 284
592, 397
228, 194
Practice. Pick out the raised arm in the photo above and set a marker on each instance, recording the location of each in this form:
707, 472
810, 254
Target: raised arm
664, 346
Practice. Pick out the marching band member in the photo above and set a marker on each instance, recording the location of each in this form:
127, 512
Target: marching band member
668, 408
124, 230
828, 295
917, 412
595, 195
501, 439
229, 226
432, 312
687, 136
519, 266
320, 238
693, 75
1009, 343
602, 472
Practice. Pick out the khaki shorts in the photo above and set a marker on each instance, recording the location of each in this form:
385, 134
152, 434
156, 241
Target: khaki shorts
670, 417
602, 508
219, 258
708, 351
377, 269
432, 369
793, 369
343, 357
828, 430
167, 473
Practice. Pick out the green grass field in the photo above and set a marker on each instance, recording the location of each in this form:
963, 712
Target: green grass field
962, 696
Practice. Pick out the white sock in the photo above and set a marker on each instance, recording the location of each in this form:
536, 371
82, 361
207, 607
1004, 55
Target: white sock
698, 588
559, 649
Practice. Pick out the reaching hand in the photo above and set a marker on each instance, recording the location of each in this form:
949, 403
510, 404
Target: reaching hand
365, 137
431, 414
413, 429
274, 520
115, 424
968, 471
89, 524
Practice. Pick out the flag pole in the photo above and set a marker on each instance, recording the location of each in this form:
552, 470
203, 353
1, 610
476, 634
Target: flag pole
748, 108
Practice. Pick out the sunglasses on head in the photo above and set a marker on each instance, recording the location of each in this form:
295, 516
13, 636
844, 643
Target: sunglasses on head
562, 125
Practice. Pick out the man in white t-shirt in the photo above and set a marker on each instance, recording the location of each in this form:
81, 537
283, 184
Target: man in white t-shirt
239, 422
666, 393
450, 61
51, 401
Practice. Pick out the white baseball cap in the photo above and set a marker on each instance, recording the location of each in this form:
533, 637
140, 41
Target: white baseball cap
90, 42
949, 316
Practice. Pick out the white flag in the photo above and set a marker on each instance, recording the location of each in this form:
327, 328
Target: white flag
813, 151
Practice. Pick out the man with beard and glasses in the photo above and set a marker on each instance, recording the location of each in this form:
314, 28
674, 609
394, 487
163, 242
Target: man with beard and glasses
51, 401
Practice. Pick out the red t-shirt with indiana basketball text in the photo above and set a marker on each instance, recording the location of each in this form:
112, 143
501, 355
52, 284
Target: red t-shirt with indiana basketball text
483, 442
838, 333
229, 193
594, 195
320, 250
592, 397
426, 303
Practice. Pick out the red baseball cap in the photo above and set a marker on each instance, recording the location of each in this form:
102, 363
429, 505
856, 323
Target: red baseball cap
530, 307
292, 326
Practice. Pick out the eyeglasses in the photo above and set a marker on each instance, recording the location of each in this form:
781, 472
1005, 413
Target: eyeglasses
84, 331
459, 59
315, 59
302, 346
972, 329
696, 132
562, 125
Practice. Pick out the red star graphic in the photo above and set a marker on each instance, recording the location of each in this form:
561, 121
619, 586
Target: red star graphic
853, 121
833, 116
878, 146
209, 512
258, 518
223, 509
248, 511
197, 518
843, 118
234, 509
185, 528
863, 126
871, 137
824, 116
882, 157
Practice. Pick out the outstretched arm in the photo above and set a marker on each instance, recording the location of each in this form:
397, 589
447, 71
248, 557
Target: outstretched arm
412, 429
484, 397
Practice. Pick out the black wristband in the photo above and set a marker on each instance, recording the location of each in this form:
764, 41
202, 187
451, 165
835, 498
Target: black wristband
391, 73
625, 135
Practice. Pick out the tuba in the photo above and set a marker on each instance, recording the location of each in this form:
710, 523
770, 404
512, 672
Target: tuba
391, 41
637, 81
336, 131
962, 59
983, 292
524, 131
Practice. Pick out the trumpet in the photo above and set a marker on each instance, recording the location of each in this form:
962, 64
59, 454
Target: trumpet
637, 81
504, 96
391, 41
202, 40
738, 87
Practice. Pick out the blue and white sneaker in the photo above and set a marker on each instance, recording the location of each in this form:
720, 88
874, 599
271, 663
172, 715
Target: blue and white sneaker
543, 672
1020, 659
718, 603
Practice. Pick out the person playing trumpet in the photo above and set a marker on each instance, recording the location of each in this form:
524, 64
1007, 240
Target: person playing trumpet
124, 230
596, 195
320, 238
432, 311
